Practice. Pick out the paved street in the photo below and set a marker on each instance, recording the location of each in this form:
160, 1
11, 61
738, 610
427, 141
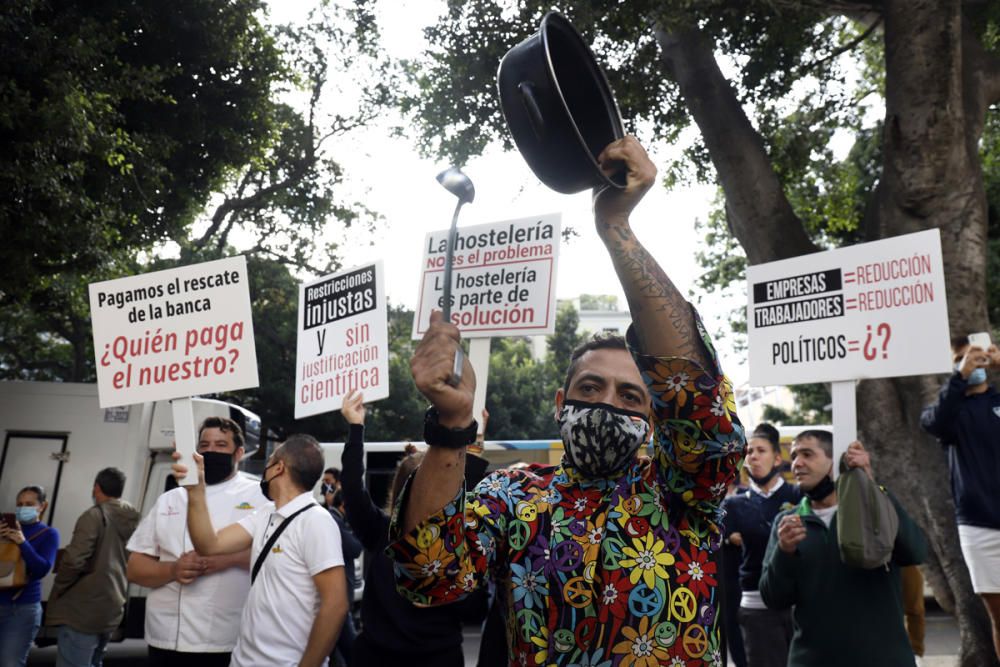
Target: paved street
942, 645
132, 652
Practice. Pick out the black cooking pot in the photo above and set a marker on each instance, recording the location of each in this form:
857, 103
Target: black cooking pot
559, 107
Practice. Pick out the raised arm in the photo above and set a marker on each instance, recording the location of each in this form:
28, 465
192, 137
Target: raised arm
442, 472
940, 418
662, 318
231, 539
368, 521
699, 440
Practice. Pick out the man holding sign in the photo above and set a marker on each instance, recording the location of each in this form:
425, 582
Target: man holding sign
193, 608
606, 556
298, 592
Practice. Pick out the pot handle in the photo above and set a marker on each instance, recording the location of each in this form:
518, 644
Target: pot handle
531, 106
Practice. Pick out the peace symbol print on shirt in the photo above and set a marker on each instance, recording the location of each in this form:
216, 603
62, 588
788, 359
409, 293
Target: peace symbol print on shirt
600, 573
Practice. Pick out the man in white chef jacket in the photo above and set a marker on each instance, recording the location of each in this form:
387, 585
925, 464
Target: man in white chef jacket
195, 603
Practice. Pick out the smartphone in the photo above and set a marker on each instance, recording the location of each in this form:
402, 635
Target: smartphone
981, 340
9, 520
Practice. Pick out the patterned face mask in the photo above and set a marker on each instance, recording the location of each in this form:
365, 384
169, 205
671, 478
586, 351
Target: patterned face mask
600, 439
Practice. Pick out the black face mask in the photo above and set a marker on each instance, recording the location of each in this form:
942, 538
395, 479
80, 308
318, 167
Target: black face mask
218, 466
822, 489
265, 482
761, 481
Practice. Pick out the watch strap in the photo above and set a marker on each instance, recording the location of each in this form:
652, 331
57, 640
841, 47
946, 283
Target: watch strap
441, 436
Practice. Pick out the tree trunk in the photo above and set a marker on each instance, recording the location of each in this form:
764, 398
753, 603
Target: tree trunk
758, 210
931, 178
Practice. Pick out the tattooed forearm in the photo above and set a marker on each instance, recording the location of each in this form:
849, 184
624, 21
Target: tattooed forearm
662, 317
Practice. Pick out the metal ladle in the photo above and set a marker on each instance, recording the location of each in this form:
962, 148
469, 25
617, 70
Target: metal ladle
458, 184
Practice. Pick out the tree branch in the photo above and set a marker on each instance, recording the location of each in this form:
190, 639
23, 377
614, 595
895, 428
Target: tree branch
840, 50
831, 7
223, 210
980, 83
759, 213
261, 249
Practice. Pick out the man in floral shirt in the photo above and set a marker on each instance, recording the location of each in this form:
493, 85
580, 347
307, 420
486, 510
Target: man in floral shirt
604, 559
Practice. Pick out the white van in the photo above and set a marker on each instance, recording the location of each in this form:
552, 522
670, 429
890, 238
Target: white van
54, 434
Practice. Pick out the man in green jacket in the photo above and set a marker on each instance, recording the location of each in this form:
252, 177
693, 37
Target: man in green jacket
843, 615
90, 587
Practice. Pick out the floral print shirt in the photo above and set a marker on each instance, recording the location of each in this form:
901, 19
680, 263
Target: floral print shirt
598, 573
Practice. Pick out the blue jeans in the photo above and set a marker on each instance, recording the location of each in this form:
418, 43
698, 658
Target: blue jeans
18, 625
80, 649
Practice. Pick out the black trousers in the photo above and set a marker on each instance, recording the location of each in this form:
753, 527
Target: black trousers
766, 636
159, 657
368, 653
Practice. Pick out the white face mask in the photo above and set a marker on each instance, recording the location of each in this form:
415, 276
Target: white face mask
600, 439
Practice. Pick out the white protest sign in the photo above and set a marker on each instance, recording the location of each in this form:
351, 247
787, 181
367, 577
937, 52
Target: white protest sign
503, 280
343, 341
174, 333
865, 311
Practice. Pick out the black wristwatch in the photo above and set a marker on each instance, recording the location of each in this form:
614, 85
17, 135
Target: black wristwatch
452, 438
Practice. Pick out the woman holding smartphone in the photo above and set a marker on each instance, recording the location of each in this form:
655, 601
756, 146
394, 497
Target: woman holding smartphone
21, 606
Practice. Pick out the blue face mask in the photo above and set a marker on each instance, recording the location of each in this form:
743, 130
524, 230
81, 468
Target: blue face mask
976, 377
26, 514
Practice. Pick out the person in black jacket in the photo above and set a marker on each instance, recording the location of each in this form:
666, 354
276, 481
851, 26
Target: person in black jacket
767, 633
966, 419
393, 631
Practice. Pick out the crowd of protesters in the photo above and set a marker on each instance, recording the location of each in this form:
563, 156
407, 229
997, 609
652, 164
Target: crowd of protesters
608, 557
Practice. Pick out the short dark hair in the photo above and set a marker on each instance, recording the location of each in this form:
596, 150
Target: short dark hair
824, 438
338, 498
304, 458
111, 482
35, 489
226, 425
333, 472
958, 342
599, 341
769, 433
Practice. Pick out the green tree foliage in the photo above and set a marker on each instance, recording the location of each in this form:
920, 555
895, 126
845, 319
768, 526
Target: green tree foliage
990, 152
222, 122
274, 294
518, 397
812, 406
118, 120
561, 343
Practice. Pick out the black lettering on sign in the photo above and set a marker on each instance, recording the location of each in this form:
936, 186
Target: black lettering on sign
797, 286
344, 296
805, 310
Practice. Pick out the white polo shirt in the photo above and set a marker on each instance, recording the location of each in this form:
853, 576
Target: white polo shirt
283, 602
203, 616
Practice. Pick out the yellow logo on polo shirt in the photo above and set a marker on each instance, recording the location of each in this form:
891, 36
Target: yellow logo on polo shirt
244, 506
277, 549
